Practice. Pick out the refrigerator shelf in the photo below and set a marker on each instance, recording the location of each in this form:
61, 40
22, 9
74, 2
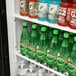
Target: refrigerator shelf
37, 63
45, 23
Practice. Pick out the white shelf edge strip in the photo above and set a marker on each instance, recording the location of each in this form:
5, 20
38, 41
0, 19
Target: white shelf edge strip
41, 65
45, 23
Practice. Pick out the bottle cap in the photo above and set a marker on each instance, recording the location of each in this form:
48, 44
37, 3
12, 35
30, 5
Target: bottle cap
55, 32
43, 29
74, 38
34, 26
25, 23
66, 35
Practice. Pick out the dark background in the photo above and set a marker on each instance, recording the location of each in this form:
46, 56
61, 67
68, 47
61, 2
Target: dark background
4, 53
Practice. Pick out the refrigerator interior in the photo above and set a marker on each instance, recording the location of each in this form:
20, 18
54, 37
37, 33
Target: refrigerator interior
14, 34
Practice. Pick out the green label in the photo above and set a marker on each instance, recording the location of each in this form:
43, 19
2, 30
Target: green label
50, 56
71, 65
61, 60
23, 45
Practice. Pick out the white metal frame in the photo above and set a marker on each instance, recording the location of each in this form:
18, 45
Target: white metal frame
12, 36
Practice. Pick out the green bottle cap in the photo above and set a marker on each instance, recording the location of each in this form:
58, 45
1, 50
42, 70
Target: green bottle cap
25, 23
74, 38
43, 29
34, 26
55, 32
66, 35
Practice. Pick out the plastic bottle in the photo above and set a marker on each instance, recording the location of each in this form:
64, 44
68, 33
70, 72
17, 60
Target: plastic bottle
72, 22
53, 9
33, 42
42, 10
24, 7
62, 58
42, 46
64, 13
24, 39
22, 69
53, 50
33, 8
72, 60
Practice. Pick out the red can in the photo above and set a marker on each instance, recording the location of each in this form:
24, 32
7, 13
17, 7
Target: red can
33, 8
64, 13
24, 7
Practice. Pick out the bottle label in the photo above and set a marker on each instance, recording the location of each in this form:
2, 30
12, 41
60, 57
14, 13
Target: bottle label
23, 45
73, 18
39, 51
23, 6
42, 10
71, 66
31, 48
50, 56
33, 7
53, 12
62, 15
60, 59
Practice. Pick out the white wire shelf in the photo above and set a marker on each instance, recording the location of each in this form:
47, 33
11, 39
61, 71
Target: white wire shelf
45, 23
41, 65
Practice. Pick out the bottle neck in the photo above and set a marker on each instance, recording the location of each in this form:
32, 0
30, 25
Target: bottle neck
65, 43
43, 36
33, 33
25, 34
25, 29
54, 39
74, 47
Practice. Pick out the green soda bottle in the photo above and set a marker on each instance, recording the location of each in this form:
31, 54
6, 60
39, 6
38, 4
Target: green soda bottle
33, 42
24, 39
72, 60
62, 58
42, 47
53, 49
